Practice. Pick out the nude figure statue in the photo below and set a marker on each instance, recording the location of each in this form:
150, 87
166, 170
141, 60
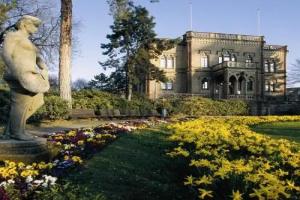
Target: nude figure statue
26, 75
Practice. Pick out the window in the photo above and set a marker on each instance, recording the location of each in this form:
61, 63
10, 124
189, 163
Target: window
273, 86
272, 67
266, 66
204, 84
249, 59
163, 62
169, 63
220, 59
267, 86
226, 58
167, 86
204, 61
233, 58
163, 86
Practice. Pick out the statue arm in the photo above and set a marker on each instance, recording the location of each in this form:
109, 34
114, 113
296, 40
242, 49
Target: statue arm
24, 65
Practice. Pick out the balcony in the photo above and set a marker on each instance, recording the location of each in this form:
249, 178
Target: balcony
233, 64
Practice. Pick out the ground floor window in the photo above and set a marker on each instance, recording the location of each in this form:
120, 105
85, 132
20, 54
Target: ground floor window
167, 86
204, 84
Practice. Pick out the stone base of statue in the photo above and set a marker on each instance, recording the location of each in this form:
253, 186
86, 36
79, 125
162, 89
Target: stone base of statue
24, 151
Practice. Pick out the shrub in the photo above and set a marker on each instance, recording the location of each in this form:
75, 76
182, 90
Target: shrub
97, 100
199, 106
54, 108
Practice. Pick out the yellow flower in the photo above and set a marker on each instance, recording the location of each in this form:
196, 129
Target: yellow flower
71, 133
189, 180
236, 195
205, 193
29, 172
206, 180
21, 165
80, 142
77, 159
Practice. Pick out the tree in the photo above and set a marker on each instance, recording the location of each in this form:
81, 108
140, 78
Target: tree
80, 84
132, 45
65, 51
53, 81
294, 73
47, 38
114, 83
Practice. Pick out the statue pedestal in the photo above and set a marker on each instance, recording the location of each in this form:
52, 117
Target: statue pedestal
24, 151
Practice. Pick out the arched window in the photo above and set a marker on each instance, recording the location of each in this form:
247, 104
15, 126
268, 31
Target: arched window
204, 61
163, 62
250, 84
204, 84
232, 85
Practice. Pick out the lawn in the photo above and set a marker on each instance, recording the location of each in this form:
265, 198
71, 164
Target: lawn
134, 167
286, 130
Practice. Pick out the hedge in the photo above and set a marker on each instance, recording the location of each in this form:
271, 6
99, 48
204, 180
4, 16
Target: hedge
56, 108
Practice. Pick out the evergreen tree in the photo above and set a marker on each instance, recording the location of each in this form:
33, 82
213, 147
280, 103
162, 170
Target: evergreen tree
132, 45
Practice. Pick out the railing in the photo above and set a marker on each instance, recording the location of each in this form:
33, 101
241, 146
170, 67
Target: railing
238, 96
225, 36
169, 94
233, 64
272, 47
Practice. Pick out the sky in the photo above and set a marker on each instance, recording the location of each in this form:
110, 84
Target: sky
279, 19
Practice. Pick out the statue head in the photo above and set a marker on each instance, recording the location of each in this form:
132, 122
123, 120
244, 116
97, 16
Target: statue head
29, 24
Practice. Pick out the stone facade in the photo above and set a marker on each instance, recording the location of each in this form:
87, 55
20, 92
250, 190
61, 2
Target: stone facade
223, 66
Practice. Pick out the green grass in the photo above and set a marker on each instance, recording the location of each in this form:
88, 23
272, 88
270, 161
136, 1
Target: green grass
286, 130
135, 167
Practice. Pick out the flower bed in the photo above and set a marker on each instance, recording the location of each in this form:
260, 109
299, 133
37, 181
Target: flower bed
227, 160
70, 148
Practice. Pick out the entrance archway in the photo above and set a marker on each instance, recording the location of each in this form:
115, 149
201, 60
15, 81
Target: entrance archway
232, 85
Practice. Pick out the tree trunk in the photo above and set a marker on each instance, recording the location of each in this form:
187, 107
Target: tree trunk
65, 50
129, 92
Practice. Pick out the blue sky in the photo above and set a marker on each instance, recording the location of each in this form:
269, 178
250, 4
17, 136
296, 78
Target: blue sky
280, 24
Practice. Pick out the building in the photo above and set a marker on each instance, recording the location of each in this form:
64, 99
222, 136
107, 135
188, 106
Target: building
223, 66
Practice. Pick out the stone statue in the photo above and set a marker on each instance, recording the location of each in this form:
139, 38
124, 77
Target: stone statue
26, 75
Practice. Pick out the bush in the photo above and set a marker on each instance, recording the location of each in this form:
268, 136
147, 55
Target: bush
54, 108
97, 100
199, 106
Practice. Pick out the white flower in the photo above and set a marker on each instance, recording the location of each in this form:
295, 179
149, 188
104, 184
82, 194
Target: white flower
29, 179
3, 184
38, 182
45, 184
10, 181
50, 179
